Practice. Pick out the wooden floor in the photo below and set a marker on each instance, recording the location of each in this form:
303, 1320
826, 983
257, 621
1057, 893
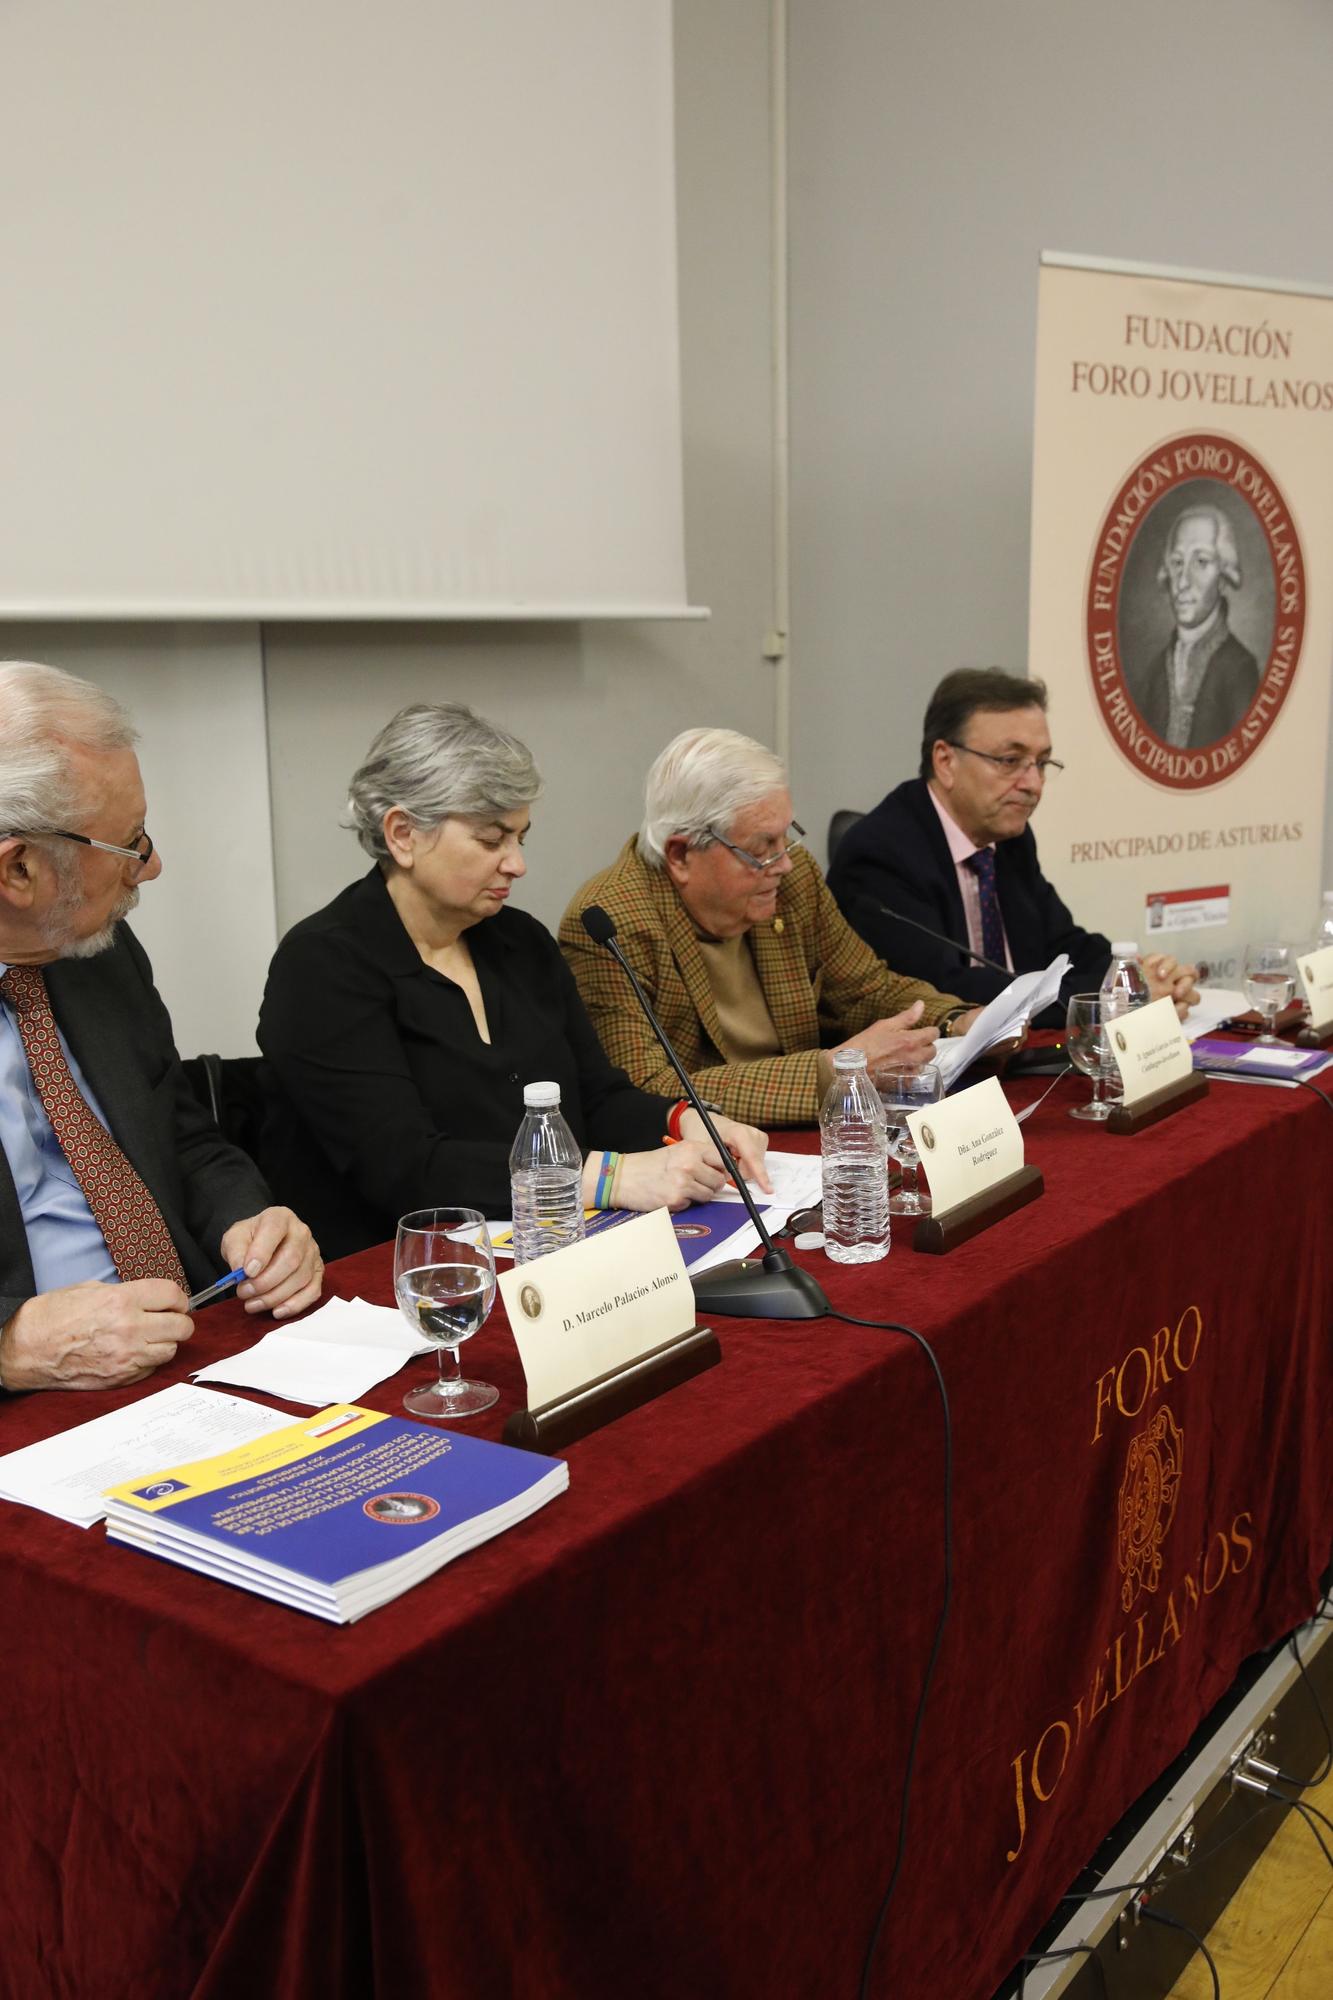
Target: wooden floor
1274, 1940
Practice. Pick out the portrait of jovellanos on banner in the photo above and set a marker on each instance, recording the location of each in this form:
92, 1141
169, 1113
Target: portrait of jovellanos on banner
1196, 613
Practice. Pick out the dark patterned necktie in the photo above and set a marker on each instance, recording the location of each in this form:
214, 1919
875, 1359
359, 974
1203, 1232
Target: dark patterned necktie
982, 864
131, 1221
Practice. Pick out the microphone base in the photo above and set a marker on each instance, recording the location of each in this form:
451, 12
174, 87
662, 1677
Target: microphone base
771, 1287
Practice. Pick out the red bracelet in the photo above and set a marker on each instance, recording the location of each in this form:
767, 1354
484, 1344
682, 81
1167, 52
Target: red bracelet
677, 1112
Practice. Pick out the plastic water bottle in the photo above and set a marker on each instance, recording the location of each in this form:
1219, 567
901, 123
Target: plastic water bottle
545, 1177
1324, 928
854, 1149
1126, 975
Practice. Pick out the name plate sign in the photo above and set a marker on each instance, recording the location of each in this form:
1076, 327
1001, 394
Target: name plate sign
584, 1311
1317, 974
967, 1144
1150, 1049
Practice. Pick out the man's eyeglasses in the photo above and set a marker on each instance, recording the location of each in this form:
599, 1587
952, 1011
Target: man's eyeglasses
1011, 762
142, 851
793, 837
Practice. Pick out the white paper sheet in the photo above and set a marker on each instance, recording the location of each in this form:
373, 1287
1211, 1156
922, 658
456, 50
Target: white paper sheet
67, 1475
796, 1184
1001, 1018
333, 1356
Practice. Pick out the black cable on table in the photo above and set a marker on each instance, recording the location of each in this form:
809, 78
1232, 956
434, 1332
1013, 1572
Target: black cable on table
896, 1326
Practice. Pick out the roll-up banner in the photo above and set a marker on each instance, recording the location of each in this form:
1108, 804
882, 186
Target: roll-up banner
1181, 611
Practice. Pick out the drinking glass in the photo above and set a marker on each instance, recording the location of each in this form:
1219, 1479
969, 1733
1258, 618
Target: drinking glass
1089, 1045
1270, 982
444, 1282
904, 1087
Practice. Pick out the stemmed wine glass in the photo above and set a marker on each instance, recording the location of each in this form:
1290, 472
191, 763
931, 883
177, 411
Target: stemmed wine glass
1270, 982
444, 1282
904, 1087
1087, 1019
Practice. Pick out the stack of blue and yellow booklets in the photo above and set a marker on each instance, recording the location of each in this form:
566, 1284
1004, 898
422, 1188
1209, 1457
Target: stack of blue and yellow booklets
336, 1514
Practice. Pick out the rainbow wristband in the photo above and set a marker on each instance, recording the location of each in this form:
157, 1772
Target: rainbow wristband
606, 1175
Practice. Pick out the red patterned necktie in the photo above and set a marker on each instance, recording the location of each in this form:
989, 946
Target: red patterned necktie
131, 1221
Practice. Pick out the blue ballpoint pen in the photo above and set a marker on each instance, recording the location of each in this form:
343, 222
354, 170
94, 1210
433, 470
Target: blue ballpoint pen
211, 1292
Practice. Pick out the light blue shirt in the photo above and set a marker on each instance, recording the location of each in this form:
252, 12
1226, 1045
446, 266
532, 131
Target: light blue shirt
64, 1241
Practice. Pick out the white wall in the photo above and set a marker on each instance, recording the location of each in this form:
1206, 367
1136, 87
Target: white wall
936, 150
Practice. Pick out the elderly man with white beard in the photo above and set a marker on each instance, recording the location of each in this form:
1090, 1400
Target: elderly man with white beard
117, 1194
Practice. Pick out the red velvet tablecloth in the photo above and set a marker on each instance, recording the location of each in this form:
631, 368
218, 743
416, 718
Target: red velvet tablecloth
651, 1742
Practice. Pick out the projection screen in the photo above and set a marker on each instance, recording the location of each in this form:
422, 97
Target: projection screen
321, 310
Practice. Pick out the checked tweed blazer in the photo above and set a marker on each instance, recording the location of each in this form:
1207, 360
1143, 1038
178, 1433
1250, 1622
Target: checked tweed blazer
822, 984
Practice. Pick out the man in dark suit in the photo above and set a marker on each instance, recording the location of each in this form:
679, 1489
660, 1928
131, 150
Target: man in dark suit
116, 1192
1198, 689
953, 851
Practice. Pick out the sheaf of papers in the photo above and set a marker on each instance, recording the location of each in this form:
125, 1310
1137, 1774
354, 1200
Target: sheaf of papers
67, 1475
1002, 1019
797, 1183
332, 1356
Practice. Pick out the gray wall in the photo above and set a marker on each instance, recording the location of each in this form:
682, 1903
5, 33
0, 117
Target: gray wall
936, 150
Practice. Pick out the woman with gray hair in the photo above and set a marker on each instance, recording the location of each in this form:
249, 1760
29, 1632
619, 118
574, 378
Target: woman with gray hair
404, 1019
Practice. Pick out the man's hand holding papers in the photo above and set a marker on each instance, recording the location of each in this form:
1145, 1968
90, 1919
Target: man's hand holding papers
1004, 1019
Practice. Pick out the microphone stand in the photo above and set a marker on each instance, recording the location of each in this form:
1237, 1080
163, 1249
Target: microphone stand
1023, 1062
978, 958
771, 1287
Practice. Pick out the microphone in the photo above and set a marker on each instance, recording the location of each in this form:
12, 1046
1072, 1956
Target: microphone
772, 1287
977, 957
1024, 1062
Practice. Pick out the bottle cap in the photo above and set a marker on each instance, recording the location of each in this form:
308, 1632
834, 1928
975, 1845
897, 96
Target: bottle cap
849, 1059
1127, 948
540, 1096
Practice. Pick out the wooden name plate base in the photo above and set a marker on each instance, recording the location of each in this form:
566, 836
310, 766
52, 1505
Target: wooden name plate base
612, 1395
1313, 1038
938, 1234
1162, 1104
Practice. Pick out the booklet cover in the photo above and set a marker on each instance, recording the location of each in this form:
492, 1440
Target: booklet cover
1245, 1059
338, 1513
699, 1229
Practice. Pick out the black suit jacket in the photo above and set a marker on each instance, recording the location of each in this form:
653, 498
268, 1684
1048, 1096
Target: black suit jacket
1230, 683
120, 1034
898, 855
393, 1100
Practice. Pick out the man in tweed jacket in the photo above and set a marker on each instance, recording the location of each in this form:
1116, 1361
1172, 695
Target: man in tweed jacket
748, 962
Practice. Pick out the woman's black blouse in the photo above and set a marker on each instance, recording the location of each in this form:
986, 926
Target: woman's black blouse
388, 1099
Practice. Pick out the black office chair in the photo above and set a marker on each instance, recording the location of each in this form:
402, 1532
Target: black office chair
235, 1091
842, 822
